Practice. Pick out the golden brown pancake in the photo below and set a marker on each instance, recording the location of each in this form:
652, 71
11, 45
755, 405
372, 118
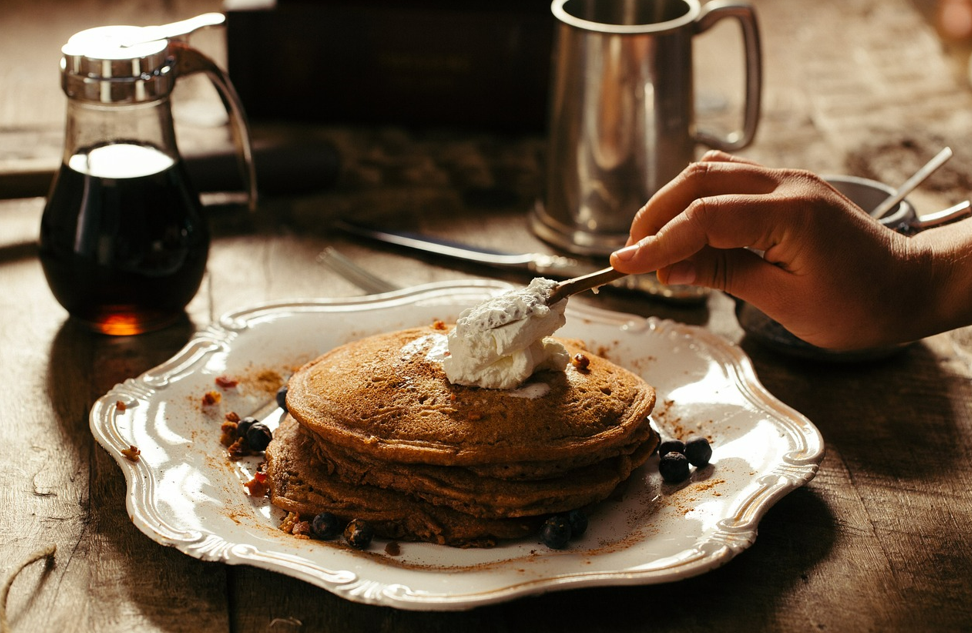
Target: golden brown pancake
386, 396
480, 496
376, 431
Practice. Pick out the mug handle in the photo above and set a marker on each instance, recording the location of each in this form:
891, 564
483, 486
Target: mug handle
746, 15
189, 61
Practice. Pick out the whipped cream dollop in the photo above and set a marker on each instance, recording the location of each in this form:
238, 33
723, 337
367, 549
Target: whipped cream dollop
501, 342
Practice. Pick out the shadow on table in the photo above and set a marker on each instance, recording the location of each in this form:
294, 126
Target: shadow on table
82, 367
892, 418
893, 430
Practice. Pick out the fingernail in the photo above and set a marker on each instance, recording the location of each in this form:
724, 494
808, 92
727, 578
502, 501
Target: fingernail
626, 253
681, 274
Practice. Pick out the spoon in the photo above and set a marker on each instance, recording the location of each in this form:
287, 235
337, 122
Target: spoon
909, 185
589, 281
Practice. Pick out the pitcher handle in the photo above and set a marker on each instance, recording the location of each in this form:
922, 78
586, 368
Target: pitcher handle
746, 15
189, 61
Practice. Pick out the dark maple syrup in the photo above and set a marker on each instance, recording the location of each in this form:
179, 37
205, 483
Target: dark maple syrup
123, 241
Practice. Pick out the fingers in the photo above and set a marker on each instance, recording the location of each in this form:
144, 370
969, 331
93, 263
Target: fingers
709, 177
740, 273
716, 155
721, 222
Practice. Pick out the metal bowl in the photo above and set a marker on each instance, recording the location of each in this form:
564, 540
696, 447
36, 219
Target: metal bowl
868, 194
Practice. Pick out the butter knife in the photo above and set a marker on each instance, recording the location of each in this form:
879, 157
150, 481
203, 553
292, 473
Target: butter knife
537, 264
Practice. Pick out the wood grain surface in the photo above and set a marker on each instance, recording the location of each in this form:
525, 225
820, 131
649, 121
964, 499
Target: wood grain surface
878, 541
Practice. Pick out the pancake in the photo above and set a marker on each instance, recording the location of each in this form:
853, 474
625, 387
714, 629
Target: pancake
376, 431
300, 483
485, 497
387, 397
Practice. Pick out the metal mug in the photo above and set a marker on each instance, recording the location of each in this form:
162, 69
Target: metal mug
622, 119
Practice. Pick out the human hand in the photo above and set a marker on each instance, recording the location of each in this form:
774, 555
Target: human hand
829, 273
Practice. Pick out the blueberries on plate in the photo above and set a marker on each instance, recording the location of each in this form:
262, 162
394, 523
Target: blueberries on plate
244, 425
359, 533
258, 436
671, 446
673, 467
698, 451
559, 529
556, 532
282, 397
578, 523
325, 526
676, 456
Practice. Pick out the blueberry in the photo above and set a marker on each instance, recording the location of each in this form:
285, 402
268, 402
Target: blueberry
282, 397
578, 523
244, 426
258, 436
674, 467
671, 446
325, 526
555, 532
359, 533
698, 451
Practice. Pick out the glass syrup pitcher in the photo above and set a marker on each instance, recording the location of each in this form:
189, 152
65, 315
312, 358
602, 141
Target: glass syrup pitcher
123, 241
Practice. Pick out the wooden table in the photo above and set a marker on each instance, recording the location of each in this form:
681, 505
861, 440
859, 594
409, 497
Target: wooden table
878, 541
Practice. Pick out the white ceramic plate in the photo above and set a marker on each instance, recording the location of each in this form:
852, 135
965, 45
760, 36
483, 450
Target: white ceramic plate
184, 492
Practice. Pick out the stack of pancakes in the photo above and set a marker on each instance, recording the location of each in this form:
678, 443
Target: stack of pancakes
376, 431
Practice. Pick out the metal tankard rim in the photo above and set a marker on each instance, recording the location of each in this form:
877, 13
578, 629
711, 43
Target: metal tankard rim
564, 16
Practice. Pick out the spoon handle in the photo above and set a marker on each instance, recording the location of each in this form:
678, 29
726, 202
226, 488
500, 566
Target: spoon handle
585, 282
919, 177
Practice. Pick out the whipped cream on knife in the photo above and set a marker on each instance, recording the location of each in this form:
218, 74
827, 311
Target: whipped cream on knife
501, 342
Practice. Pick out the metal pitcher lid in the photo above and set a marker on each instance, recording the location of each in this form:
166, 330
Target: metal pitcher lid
113, 64
125, 64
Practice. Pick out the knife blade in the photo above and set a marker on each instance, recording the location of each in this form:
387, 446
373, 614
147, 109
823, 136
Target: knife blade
538, 264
